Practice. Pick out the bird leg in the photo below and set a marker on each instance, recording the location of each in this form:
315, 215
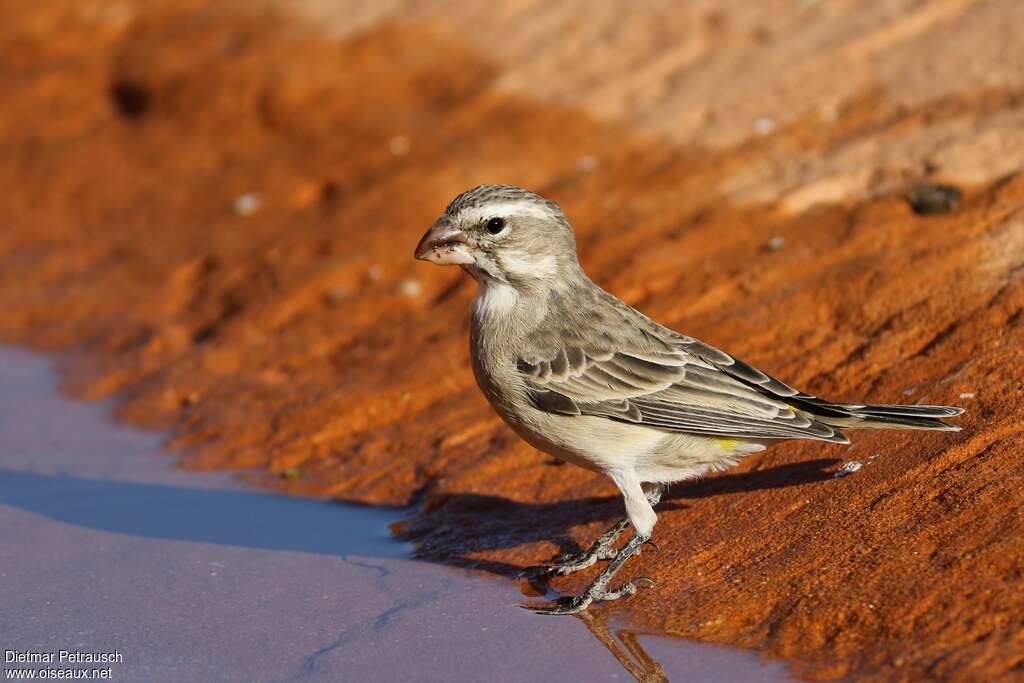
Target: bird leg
598, 590
653, 493
602, 549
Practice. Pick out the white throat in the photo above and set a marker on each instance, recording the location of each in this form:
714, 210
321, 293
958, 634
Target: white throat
495, 300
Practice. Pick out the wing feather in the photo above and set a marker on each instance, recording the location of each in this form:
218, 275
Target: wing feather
642, 373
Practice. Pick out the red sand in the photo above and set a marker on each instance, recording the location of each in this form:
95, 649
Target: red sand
303, 339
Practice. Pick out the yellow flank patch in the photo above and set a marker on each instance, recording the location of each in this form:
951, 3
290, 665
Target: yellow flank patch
728, 445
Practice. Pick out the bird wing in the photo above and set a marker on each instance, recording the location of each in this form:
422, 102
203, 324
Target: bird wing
631, 369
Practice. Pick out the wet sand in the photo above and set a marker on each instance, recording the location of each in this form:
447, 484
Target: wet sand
214, 205
190, 576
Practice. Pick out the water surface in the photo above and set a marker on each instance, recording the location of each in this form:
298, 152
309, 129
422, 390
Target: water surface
105, 546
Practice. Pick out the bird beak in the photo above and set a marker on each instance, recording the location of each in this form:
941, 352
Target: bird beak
444, 244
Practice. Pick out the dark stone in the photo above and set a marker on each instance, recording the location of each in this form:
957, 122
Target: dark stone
131, 99
927, 198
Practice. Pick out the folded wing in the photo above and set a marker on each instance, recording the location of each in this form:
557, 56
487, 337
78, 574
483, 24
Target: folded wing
667, 382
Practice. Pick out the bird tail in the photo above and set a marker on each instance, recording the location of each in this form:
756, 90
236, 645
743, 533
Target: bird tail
885, 416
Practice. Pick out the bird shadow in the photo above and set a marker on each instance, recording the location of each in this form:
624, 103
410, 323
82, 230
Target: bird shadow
455, 528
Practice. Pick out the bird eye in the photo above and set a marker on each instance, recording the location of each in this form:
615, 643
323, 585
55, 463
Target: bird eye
495, 225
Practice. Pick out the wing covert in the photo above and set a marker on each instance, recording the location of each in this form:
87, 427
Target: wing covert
666, 381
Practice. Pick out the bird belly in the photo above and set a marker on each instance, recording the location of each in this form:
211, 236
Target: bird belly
594, 443
685, 456
602, 445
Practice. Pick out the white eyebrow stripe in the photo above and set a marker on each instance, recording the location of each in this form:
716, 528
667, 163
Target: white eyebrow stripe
504, 210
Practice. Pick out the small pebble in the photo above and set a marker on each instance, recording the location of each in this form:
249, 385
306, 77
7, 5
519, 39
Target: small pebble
335, 295
775, 243
588, 163
375, 273
399, 145
967, 394
291, 473
247, 204
927, 199
411, 288
765, 125
847, 469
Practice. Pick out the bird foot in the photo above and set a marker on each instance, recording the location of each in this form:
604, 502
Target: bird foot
579, 603
567, 563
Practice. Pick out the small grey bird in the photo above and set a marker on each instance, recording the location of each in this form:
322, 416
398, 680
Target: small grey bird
582, 376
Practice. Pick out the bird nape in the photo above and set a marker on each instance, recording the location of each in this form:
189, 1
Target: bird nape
585, 377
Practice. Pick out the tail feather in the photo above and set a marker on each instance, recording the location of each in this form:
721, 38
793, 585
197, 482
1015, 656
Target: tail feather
871, 421
909, 411
880, 416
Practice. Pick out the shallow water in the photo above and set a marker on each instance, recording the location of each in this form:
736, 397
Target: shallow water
192, 577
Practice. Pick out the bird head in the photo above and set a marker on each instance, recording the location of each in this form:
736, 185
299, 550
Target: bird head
501, 233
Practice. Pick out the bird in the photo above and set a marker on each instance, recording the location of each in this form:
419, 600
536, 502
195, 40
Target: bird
581, 375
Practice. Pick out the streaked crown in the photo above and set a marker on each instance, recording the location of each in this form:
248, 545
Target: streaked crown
483, 195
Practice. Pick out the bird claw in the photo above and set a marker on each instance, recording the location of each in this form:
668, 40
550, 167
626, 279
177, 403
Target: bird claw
573, 605
579, 603
537, 573
651, 543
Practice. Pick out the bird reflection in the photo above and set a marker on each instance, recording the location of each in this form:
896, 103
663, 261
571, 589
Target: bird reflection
625, 646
